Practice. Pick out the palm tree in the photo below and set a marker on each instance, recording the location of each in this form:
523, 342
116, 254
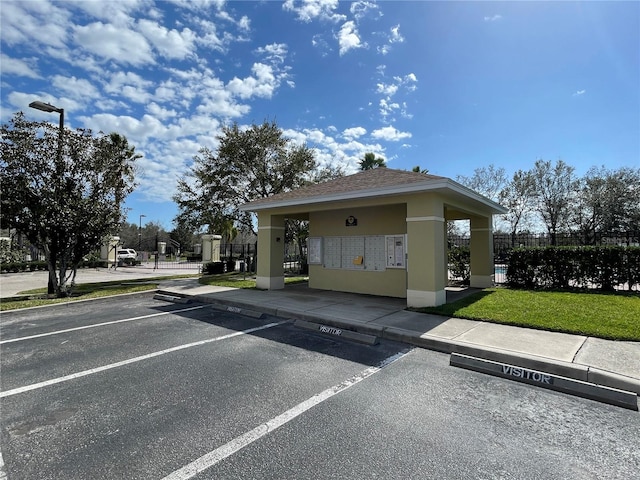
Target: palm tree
370, 161
417, 169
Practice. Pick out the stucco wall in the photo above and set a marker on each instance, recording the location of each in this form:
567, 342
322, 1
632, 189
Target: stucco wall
381, 220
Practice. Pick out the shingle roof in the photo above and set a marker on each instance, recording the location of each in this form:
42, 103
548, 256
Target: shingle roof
373, 179
368, 183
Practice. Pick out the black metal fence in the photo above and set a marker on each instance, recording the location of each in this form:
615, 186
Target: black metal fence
240, 256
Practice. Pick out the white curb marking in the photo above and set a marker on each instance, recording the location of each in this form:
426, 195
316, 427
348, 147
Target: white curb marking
210, 459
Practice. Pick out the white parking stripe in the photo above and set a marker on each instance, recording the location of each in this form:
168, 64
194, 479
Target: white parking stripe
84, 373
57, 332
210, 459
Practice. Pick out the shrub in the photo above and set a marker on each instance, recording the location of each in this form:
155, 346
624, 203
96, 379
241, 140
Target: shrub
582, 267
460, 263
213, 268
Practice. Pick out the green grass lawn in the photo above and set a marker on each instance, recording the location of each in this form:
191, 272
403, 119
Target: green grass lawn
86, 291
610, 316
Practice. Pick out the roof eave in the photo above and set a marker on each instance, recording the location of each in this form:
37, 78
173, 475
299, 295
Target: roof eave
443, 184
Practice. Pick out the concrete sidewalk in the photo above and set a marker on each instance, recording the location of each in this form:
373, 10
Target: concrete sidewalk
601, 362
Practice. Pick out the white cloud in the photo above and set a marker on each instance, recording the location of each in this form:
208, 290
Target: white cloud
275, 52
387, 106
396, 36
78, 88
354, 132
390, 134
21, 68
169, 43
493, 18
34, 23
348, 38
113, 12
308, 10
579, 92
122, 45
159, 112
262, 84
361, 9
138, 131
387, 89
244, 24
129, 85
329, 151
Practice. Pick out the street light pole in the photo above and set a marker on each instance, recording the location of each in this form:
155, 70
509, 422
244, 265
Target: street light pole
47, 107
140, 234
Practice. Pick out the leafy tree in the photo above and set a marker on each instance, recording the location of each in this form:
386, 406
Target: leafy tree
185, 237
248, 164
297, 231
608, 201
516, 196
371, 161
417, 169
554, 193
487, 181
63, 192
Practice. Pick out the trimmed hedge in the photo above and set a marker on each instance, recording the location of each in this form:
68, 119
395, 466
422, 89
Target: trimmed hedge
574, 267
213, 268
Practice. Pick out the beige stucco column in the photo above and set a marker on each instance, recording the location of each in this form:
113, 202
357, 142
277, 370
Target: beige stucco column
270, 252
427, 252
481, 252
211, 248
108, 250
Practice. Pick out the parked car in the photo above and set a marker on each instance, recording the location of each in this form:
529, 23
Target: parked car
125, 253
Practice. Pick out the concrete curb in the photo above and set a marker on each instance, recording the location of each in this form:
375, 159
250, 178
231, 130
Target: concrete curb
338, 332
171, 298
612, 396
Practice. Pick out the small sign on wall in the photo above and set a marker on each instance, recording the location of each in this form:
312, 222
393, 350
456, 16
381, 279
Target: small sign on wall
351, 221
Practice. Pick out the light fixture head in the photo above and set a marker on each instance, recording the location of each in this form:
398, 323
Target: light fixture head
45, 107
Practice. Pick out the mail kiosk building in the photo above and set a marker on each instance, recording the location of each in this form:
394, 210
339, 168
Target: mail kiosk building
380, 231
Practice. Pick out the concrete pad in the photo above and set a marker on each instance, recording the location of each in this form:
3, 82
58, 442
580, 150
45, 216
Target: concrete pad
554, 345
422, 323
352, 312
619, 357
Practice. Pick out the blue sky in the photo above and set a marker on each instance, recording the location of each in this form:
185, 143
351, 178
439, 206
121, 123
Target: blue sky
450, 86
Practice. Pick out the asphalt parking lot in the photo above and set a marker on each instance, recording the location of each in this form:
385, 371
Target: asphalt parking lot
139, 388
